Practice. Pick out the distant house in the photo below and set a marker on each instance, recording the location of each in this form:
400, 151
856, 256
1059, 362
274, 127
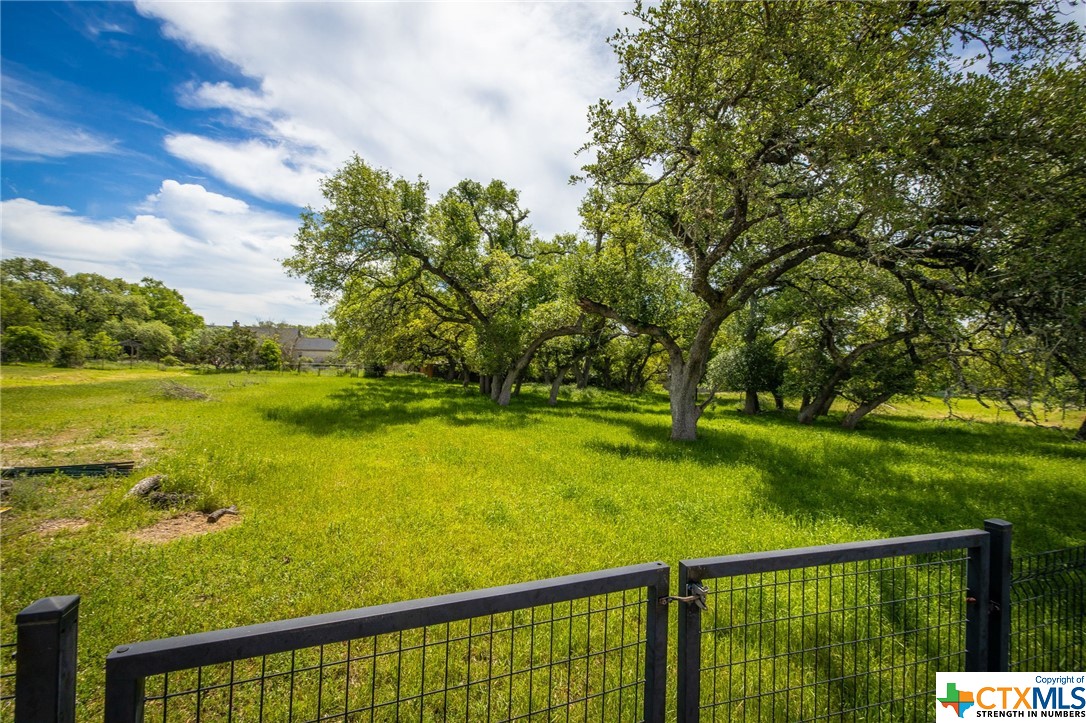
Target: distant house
314, 347
296, 345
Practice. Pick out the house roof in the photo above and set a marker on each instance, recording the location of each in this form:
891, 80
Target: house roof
294, 341
314, 343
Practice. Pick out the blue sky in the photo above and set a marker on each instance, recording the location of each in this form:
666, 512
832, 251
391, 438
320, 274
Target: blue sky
180, 140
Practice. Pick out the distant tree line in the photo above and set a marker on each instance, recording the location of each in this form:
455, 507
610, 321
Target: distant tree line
49, 315
817, 200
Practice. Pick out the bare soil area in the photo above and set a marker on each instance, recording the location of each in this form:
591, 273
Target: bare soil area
72, 447
64, 524
186, 525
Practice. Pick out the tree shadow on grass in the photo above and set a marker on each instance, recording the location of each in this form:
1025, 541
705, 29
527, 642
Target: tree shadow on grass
646, 403
370, 406
899, 476
918, 477
982, 437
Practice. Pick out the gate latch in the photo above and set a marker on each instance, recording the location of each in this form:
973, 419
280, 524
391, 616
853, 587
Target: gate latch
696, 593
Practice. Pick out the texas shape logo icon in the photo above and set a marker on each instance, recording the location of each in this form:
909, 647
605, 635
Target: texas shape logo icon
958, 700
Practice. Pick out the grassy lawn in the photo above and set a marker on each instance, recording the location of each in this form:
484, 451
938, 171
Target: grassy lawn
356, 492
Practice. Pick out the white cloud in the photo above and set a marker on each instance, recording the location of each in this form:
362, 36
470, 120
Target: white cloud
219, 252
440, 89
275, 172
243, 101
32, 129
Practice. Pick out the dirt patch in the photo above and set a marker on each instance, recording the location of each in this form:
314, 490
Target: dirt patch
37, 446
52, 527
68, 448
186, 525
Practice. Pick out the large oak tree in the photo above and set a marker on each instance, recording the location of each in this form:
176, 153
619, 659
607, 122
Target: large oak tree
773, 133
386, 254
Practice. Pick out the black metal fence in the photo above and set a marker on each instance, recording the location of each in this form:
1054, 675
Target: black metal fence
856, 630
1048, 611
7, 681
45, 660
850, 632
589, 646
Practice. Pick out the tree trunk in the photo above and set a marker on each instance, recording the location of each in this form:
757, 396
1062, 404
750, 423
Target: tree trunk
684, 419
806, 413
778, 400
825, 408
684, 373
820, 405
516, 389
822, 400
853, 418
750, 405
505, 389
585, 371
805, 401
683, 394
1080, 436
637, 381
484, 384
556, 385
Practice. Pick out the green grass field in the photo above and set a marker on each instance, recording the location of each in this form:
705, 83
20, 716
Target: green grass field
356, 492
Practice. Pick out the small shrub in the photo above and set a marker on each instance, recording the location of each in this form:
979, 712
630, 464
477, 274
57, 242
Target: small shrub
171, 361
25, 493
73, 353
374, 369
104, 346
156, 339
27, 343
270, 355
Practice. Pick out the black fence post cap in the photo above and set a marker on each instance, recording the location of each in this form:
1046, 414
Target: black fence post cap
48, 608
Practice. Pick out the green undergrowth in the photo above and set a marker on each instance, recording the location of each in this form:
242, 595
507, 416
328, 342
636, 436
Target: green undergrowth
356, 492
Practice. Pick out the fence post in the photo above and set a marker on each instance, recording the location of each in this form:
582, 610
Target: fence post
688, 686
124, 691
45, 660
999, 609
976, 627
656, 648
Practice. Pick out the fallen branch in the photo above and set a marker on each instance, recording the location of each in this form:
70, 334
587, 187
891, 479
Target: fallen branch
175, 390
214, 516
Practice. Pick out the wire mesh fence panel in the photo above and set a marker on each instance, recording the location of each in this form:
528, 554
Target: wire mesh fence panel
823, 637
863, 638
1048, 611
7, 682
586, 658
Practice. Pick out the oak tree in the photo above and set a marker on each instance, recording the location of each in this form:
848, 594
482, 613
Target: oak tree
775, 133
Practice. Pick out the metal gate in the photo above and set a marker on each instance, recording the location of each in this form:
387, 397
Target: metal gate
838, 632
591, 645
853, 631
